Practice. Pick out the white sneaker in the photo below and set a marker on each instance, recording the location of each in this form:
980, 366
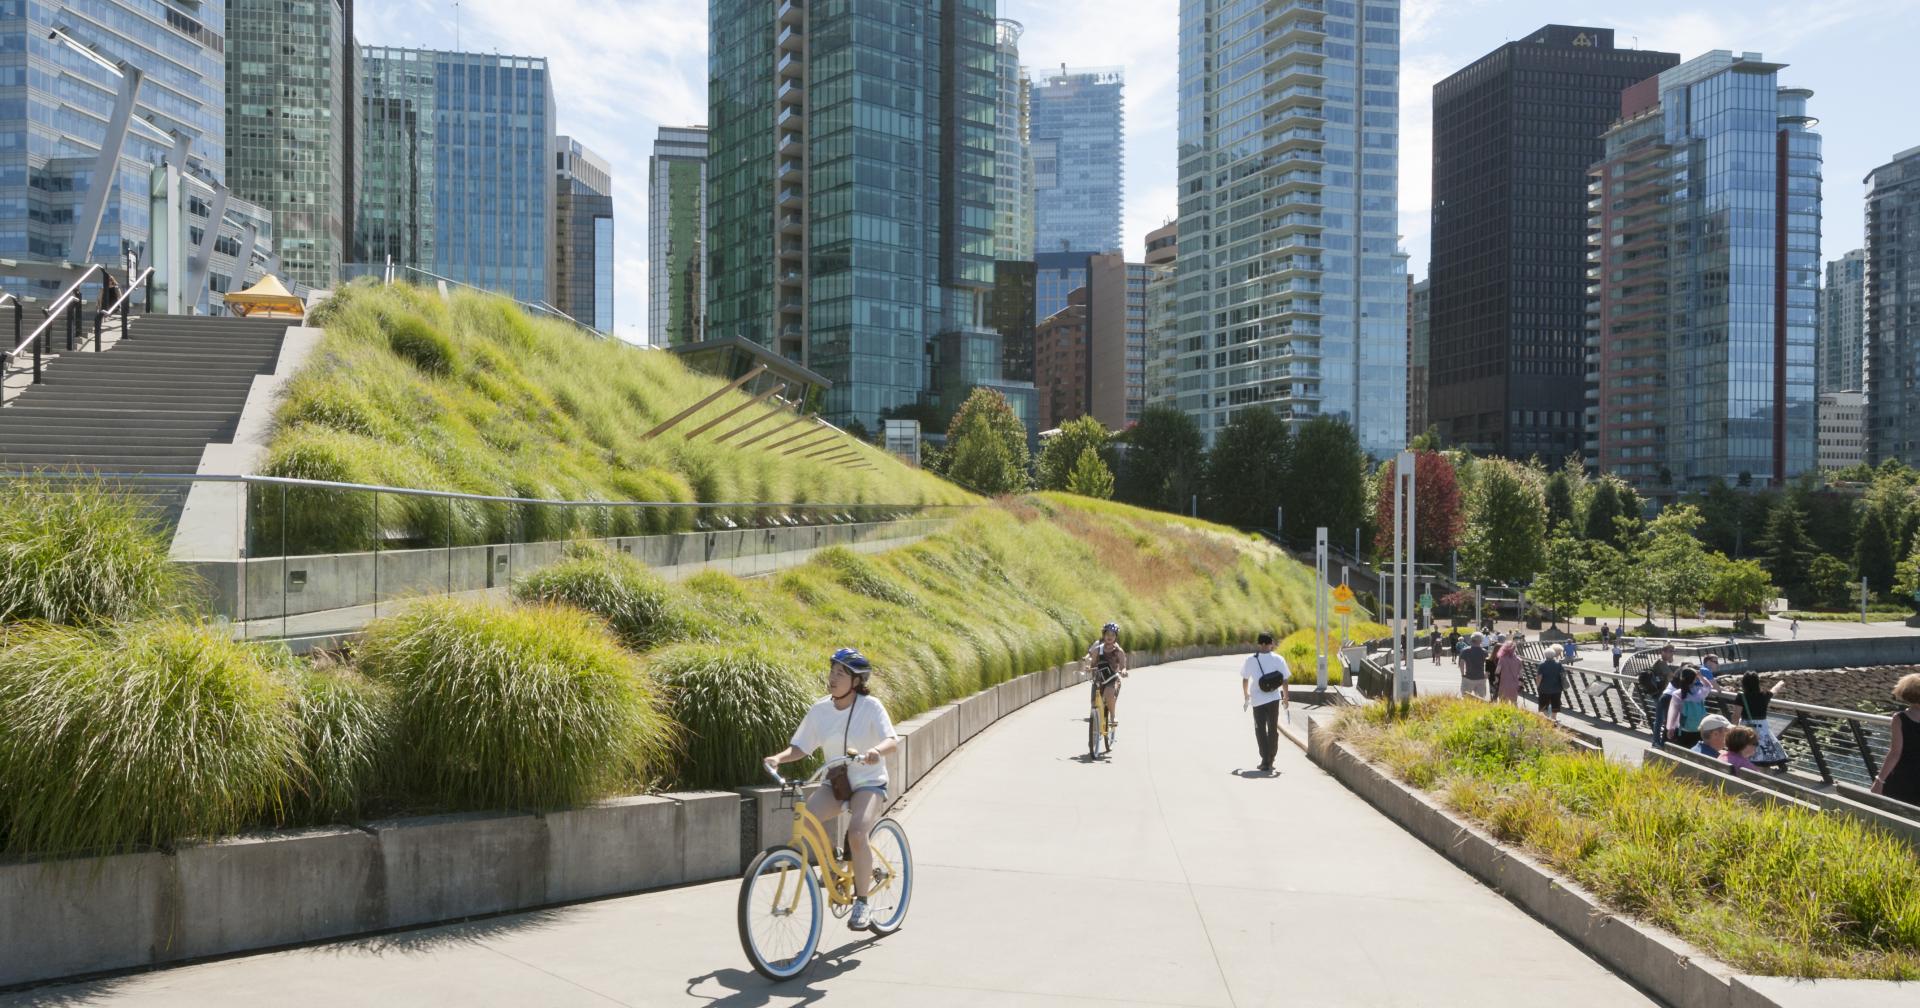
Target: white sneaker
858, 919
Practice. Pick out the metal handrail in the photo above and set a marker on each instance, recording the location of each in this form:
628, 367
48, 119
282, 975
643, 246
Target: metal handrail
59, 303
539, 306
53, 311
456, 495
128, 292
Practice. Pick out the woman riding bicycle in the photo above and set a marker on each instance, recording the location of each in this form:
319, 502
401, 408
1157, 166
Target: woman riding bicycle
852, 720
1107, 660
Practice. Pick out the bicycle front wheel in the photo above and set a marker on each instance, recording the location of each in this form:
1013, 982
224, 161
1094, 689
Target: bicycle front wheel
780, 913
1094, 718
892, 876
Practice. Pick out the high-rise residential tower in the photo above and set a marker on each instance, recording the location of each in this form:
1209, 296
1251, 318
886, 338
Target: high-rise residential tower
1514, 134
1013, 195
1892, 319
1842, 324
1293, 294
1163, 310
1706, 263
457, 167
677, 237
851, 194
583, 234
289, 131
1079, 143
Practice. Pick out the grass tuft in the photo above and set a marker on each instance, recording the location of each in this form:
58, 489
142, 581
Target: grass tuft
632, 599
734, 704
77, 553
346, 726
525, 707
140, 735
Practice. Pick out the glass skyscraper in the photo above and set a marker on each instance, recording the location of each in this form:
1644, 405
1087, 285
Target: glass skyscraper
583, 238
1292, 293
851, 194
1707, 239
60, 101
289, 131
1079, 143
1842, 327
1892, 320
676, 236
1013, 151
456, 166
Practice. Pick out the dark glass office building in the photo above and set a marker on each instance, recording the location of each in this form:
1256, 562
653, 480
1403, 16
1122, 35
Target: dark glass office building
1514, 135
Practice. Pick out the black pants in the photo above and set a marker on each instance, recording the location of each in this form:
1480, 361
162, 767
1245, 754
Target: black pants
1266, 732
1549, 702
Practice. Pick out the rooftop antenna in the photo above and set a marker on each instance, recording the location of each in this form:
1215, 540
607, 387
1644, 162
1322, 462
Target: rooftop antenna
456, 25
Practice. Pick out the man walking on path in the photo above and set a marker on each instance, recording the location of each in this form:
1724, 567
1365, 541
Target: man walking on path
1473, 668
1267, 704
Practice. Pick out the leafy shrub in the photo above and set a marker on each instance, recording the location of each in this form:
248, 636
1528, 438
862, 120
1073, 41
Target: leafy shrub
735, 705
632, 599
346, 726
77, 553
140, 735
525, 707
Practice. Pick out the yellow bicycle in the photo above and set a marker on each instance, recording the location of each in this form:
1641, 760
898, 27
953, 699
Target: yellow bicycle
783, 909
1099, 726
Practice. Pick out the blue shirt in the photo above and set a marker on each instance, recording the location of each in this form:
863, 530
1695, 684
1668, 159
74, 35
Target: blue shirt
1706, 750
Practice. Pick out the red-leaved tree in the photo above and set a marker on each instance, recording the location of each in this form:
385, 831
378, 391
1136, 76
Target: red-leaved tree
1438, 521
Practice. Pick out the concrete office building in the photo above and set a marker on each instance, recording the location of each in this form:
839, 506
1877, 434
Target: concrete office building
1891, 321
289, 127
1843, 324
1292, 290
583, 253
850, 212
1013, 195
1843, 430
1079, 160
1090, 356
1514, 134
1706, 260
1163, 310
677, 237
457, 168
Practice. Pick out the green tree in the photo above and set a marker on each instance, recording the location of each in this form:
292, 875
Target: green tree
1601, 511
1061, 454
1873, 556
1906, 582
1611, 578
1678, 569
1326, 484
1506, 524
1828, 580
1165, 456
1741, 586
1090, 476
1247, 469
1562, 579
1559, 500
987, 445
1784, 549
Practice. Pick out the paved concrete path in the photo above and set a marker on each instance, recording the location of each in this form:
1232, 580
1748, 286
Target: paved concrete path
1168, 875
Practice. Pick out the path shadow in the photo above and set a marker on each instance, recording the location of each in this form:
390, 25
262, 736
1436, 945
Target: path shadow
435, 938
747, 989
71, 995
1254, 774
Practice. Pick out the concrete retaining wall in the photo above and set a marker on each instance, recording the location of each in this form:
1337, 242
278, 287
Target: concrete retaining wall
1764, 788
292, 586
1672, 969
67, 918
1794, 655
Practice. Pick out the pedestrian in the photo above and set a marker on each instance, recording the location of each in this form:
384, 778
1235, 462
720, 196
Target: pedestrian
1433, 645
1606, 635
109, 291
1795, 628
1571, 649
1507, 669
1267, 704
1686, 708
1753, 714
1473, 668
1713, 736
1742, 745
1900, 775
1549, 683
1453, 641
1617, 652
1710, 667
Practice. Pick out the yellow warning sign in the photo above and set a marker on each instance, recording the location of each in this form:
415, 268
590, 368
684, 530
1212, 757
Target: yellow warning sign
1342, 593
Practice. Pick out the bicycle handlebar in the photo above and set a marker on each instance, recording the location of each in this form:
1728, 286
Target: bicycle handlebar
818, 775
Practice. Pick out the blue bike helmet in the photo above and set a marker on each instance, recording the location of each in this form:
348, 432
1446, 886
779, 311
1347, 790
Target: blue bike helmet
1115, 627
855, 662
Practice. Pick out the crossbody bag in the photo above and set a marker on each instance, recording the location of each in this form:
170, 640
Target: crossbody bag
1268, 681
837, 775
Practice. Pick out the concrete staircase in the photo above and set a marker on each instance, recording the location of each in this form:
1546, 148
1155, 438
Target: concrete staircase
148, 404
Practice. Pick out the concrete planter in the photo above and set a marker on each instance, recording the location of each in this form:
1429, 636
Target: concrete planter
323, 882
1671, 968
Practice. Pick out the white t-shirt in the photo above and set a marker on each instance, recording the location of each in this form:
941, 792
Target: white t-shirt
1258, 665
833, 732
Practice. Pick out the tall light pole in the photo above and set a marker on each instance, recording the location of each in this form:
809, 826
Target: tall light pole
1320, 603
1403, 550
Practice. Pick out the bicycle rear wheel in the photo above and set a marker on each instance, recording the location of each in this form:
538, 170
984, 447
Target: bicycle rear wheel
1095, 717
780, 913
892, 876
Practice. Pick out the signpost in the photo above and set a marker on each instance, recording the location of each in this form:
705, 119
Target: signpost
1403, 554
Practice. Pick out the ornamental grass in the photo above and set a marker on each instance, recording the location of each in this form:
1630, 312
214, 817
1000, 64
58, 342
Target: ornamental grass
75, 552
1770, 890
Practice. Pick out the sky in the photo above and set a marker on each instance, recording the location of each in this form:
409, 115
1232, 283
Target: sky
623, 68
